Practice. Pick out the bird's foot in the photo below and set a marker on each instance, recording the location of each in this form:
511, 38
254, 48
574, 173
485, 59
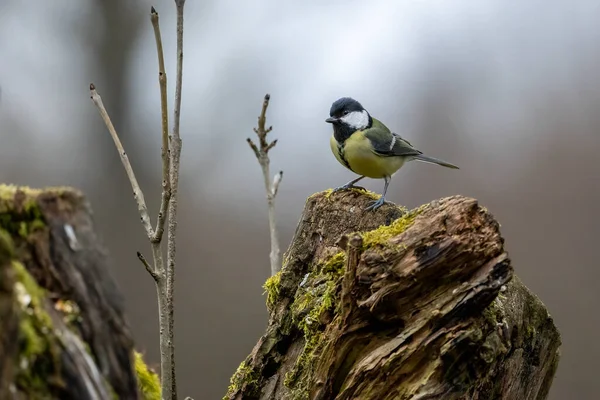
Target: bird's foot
346, 187
376, 204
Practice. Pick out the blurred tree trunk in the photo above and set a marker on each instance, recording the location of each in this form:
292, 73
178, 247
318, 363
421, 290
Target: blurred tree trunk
121, 23
63, 333
420, 305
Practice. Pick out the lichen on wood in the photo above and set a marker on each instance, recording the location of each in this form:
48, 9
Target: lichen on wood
399, 304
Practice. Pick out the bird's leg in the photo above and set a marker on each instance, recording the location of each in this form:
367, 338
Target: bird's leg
348, 185
378, 203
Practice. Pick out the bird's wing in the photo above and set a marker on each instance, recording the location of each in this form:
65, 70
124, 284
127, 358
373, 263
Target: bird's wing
388, 144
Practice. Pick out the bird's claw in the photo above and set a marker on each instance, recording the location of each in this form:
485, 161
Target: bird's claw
376, 204
346, 187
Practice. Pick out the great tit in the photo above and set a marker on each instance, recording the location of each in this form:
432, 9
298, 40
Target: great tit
368, 148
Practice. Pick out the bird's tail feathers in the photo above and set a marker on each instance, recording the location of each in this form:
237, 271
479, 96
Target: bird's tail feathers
432, 160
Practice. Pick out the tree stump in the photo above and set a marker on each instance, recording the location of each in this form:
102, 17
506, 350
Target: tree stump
63, 333
399, 304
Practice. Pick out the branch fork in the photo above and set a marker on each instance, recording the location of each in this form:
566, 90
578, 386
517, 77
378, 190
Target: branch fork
261, 151
162, 273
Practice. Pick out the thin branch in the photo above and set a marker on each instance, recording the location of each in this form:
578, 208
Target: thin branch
276, 182
262, 155
253, 147
150, 270
163, 275
168, 339
271, 145
166, 181
178, 82
262, 118
137, 191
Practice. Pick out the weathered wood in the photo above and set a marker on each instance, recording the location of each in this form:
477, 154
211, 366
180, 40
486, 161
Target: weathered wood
9, 322
399, 305
63, 334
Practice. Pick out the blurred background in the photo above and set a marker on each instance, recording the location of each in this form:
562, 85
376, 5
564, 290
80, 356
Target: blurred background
508, 90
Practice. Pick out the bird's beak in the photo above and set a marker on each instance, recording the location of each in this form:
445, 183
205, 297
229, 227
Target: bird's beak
331, 120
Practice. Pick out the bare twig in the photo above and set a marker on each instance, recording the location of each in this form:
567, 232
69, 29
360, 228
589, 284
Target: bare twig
166, 181
163, 275
137, 191
175, 155
262, 155
276, 182
157, 272
150, 269
165, 297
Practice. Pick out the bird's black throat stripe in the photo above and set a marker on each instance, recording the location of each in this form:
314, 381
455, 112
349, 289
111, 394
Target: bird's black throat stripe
342, 155
341, 133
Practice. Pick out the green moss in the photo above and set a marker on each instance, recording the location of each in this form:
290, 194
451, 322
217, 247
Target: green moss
7, 191
336, 265
32, 344
244, 376
494, 313
30, 288
6, 246
29, 219
299, 378
38, 362
308, 310
310, 305
148, 381
272, 287
381, 235
327, 193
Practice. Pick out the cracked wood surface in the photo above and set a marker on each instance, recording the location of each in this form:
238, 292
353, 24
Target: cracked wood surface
430, 310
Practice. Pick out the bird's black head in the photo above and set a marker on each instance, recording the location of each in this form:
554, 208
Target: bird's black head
344, 106
348, 116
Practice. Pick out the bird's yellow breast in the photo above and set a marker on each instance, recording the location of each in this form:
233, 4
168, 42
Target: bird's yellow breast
357, 154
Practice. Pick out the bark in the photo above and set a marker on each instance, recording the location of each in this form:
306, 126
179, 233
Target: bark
398, 304
63, 333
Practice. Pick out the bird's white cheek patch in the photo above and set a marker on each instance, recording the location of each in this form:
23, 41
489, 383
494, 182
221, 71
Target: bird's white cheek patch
357, 119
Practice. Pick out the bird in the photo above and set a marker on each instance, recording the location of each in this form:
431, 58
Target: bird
368, 148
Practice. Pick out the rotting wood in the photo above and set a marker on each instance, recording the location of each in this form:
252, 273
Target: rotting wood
63, 333
398, 304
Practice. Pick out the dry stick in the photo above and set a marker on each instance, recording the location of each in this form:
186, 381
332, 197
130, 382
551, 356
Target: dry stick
166, 181
262, 155
165, 296
158, 272
175, 143
137, 192
147, 265
171, 161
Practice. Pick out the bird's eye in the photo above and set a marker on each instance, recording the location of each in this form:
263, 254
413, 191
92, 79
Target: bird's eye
346, 112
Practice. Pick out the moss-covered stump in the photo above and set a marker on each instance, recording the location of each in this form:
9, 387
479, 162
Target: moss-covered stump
398, 304
63, 334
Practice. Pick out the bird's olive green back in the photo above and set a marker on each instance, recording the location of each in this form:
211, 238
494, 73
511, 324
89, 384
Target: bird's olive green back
386, 143
380, 125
